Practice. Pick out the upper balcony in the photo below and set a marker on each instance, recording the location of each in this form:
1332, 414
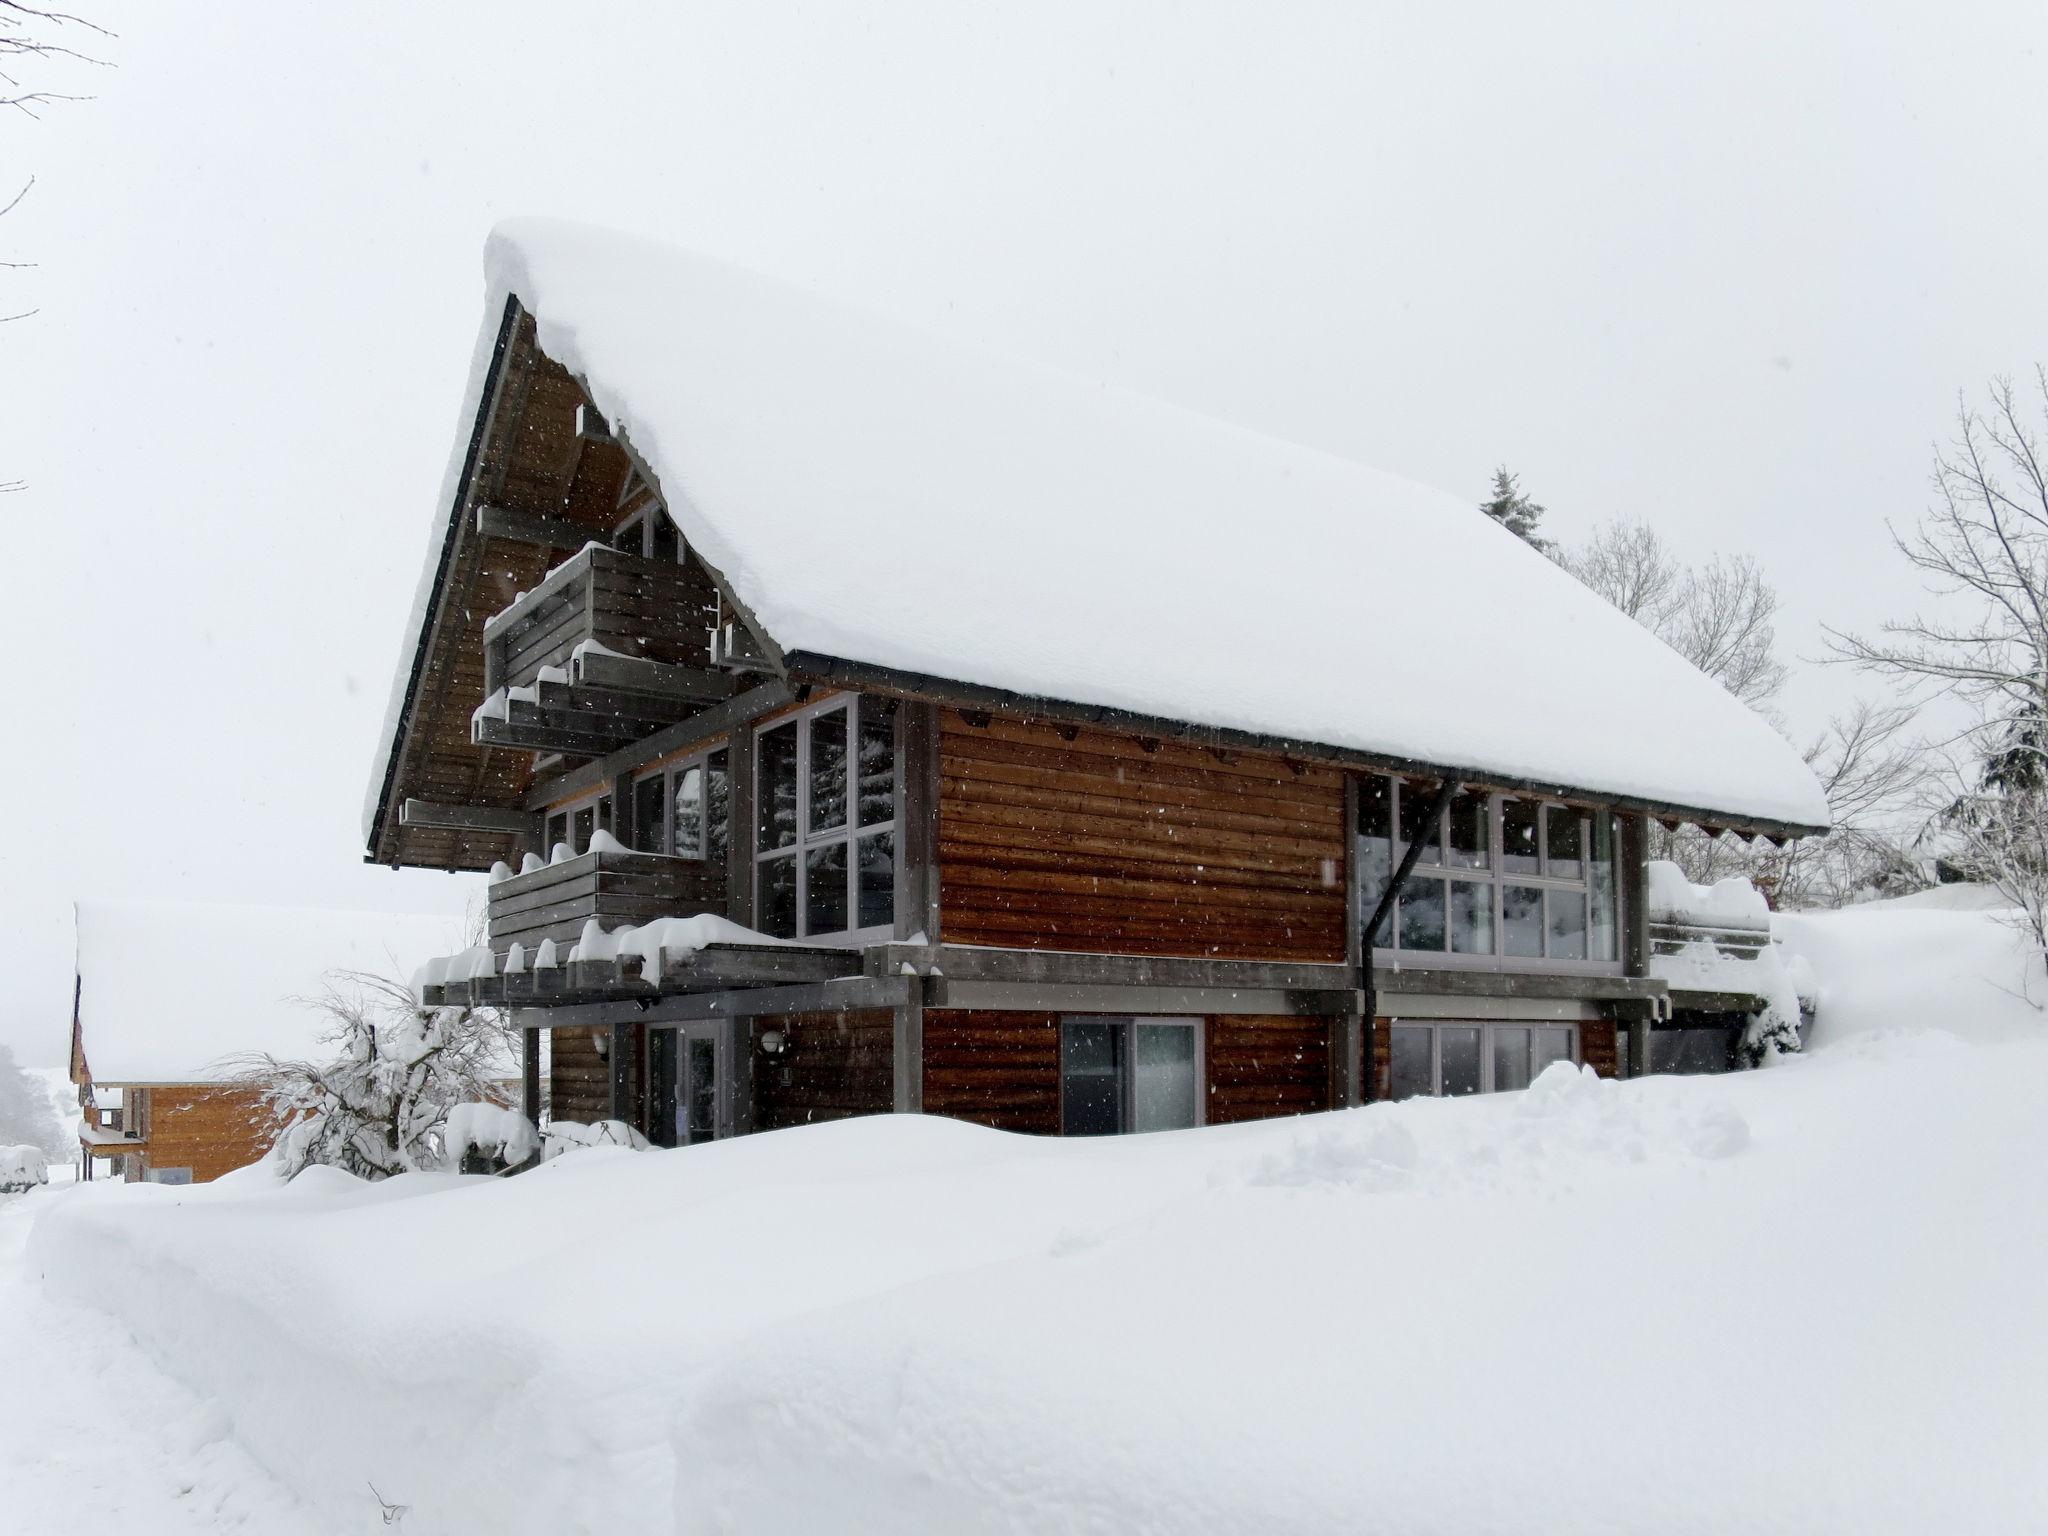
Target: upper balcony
608, 649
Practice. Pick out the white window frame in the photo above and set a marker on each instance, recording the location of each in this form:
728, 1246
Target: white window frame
670, 776
850, 833
566, 812
1486, 1027
1389, 952
1127, 1071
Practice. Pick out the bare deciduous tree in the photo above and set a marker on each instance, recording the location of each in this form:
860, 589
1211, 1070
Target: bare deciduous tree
1982, 548
33, 35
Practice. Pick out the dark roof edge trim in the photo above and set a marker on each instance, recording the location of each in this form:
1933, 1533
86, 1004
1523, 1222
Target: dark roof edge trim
423, 642
836, 671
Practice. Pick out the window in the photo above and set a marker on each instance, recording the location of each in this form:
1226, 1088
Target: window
652, 534
168, 1176
825, 821
687, 1078
1453, 1059
685, 808
573, 824
1119, 1075
1501, 880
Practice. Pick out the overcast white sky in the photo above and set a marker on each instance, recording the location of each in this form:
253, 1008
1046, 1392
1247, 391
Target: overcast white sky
1722, 267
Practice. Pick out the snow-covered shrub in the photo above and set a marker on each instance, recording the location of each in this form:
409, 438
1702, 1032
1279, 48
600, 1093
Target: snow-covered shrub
26, 1115
22, 1168
567, 1135
487, 1138
379, 1105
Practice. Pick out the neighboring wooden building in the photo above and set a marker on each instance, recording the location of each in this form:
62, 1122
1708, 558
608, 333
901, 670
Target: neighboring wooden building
171, 998
1065, 747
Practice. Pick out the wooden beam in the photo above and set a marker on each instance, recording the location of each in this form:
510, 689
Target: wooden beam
917, 814
469, 818
1068, 967
908, 1054
529, 1075
644, 712
1064, 997
489, 731
530, 528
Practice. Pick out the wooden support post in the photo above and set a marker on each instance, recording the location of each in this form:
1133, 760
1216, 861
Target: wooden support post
1635, 931
529, 1074
917, 814
622, 1072
909, 1053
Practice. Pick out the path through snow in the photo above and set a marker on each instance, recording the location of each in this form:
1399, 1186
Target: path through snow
94, 1437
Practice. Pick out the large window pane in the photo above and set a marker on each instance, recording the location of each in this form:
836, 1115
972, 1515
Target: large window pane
1564, 829
647, 796
777, 789
1521, 921
1510, 1058
828, 772
717, 805
1470, 818
1519, 850
1602, 933
877, 879
1413, 1071
1421, 919
1567, 925
1162, 1077
686, 832
1417, 825
1551, 1044
700, 1096
1091, 1078
877, 761
825, 889
1471, 918
1458, 1046
776, 902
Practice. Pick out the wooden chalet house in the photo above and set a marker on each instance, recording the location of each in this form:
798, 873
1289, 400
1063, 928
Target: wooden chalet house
1045, 756
170, 1000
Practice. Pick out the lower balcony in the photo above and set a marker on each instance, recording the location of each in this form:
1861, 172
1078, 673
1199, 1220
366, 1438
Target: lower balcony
615, 887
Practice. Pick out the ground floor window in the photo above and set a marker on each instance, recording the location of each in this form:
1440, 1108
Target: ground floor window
1455, 1058
687, 1076
1129, 1074
168, 1176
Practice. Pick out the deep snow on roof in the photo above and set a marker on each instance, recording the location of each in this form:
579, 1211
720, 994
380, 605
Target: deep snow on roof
880, 495
171, 991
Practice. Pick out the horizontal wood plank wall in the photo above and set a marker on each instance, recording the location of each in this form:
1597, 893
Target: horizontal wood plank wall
996, 1069
1597, 1049
210, 1129
832, 1066
1263, 1067
1098, 844
579, 1080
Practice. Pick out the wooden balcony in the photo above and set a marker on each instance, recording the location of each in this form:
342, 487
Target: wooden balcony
608, 649
616, 888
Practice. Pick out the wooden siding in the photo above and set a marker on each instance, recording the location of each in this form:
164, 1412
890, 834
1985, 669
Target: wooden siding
579, 1080
1067, 838
995, 1069
210, 1128
833, 1066
1260, 1068
615, 888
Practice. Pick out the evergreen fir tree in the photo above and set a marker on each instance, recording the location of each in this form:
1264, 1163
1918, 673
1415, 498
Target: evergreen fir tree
1513, 510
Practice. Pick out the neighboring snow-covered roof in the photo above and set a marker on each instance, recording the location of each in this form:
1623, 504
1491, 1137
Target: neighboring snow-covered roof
171, 991
879, 495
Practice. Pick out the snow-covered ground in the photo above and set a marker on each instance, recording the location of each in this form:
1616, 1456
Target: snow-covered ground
1803, 1299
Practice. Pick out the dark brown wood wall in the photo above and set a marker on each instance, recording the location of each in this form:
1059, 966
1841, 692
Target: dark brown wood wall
833, 1066
579, 1080
995, 1069
1061, 838
1263, 1067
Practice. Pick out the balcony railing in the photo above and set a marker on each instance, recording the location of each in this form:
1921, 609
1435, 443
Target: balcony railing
608, 649
615, 887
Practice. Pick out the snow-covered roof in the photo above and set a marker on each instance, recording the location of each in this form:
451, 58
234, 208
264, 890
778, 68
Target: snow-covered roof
878, 495
171, 991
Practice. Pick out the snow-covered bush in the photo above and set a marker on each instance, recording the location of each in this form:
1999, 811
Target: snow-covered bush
487, 1138
567, 1135
378, 1107
22, 1168
26, 1115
